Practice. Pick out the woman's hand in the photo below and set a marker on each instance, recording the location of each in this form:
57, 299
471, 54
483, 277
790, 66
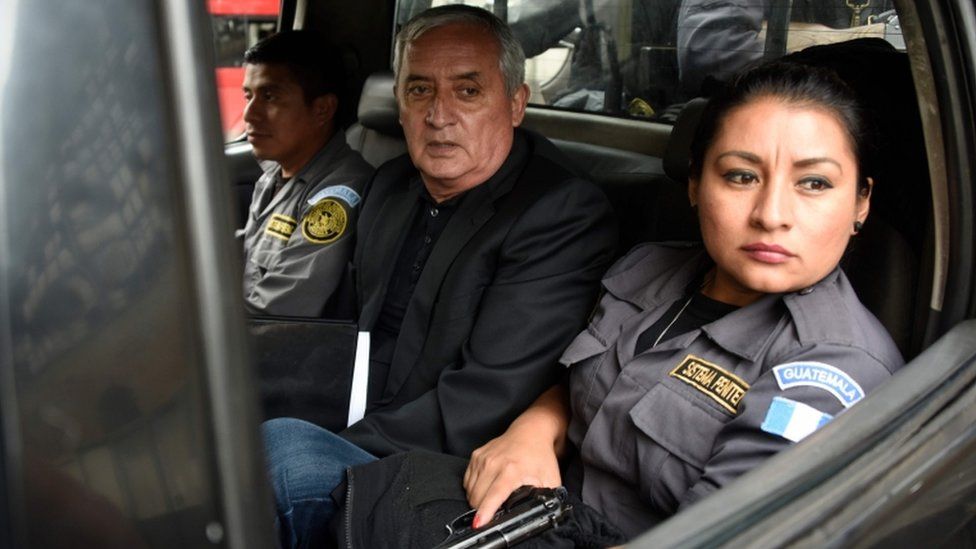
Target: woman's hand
516, 458
527, 453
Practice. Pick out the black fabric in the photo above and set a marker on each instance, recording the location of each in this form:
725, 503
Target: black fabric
504, 291
302, 364
428, 223
898, 230
700, 311
406, 500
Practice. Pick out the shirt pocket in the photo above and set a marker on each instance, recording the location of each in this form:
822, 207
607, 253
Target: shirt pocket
585, 357
675, 436
266, 252
586, 345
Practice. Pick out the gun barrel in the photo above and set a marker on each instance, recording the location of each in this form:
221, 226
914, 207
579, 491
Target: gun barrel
541, 515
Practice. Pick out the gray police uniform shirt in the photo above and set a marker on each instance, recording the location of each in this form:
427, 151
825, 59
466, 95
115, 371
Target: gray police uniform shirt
665, 428
297, 243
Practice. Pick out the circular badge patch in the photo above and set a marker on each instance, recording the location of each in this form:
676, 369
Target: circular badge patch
325, 222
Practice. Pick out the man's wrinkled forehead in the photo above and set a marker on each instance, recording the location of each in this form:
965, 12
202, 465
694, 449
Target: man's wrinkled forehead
469, 46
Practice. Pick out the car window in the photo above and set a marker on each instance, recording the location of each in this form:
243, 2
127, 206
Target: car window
637, 58
237, 25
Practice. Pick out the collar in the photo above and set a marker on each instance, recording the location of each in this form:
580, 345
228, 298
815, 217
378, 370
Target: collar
321, 164
656, 274
662, 274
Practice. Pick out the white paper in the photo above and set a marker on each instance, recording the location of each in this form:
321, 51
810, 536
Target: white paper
360, 380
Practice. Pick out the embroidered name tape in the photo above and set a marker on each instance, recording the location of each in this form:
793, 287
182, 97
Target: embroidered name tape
280, 226
721, 386
823, 376
339, 191
793, 420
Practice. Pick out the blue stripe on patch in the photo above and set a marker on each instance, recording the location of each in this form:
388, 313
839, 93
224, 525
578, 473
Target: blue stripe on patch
823, 376
793, 420
340, 191
778, 416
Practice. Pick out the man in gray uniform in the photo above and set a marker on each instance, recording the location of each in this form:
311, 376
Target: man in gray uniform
718, 39
298, 236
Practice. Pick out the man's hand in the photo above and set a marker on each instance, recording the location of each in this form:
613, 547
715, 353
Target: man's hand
518, 457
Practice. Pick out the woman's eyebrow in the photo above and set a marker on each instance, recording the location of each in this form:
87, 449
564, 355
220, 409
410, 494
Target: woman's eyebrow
747, 156
807, 162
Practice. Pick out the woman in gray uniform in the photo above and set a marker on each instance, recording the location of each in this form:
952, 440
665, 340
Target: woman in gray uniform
699, 363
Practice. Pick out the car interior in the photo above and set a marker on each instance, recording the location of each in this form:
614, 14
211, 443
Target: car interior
128, 409
132, 382
641, 165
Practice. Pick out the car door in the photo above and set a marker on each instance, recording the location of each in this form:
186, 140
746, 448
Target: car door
127, 412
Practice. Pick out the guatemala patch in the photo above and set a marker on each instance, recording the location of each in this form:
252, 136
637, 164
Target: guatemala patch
325, 222
339, 191
721, 386
823, 376
793, 420
280, 226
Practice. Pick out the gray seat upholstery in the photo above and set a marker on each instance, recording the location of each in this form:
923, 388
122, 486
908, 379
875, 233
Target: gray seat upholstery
377, 134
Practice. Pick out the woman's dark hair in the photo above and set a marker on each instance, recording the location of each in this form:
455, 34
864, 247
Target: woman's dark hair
795, 84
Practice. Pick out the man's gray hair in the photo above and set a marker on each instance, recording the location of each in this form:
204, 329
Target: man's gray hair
511, 59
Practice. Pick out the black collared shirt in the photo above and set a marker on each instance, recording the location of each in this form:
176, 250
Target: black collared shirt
428, 223
684, 315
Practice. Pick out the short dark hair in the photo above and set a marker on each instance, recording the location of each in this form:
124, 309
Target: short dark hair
314, 63
793, 83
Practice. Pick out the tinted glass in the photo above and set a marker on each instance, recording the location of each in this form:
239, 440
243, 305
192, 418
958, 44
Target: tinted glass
237, 25
111, 447
637, 58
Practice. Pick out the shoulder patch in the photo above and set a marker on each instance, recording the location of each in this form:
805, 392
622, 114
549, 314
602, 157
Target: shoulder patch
793, 420
280, 226
721, 386
820, 375
325, 222
339, 191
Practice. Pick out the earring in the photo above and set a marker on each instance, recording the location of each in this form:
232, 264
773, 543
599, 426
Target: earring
858, 226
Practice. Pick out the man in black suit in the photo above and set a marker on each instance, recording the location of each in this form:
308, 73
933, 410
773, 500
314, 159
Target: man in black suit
479, 258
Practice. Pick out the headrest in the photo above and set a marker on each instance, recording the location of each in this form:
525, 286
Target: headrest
678, 152
378, 107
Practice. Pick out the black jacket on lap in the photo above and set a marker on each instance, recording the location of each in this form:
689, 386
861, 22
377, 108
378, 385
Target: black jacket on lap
406, 501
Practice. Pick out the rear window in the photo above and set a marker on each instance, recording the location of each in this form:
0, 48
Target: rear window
637, 58
237, 25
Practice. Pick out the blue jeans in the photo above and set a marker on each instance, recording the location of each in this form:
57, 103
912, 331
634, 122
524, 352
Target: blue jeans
306, 463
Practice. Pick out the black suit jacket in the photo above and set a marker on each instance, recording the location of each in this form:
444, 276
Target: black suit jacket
506, 288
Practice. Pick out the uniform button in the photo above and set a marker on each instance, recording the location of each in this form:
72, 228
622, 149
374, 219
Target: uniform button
427, 239
434, 212
416, 267
806, 291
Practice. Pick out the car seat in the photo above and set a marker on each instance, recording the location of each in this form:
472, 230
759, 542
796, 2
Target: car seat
377, 134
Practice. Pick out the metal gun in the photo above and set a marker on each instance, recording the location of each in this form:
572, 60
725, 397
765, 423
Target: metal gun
527, 512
